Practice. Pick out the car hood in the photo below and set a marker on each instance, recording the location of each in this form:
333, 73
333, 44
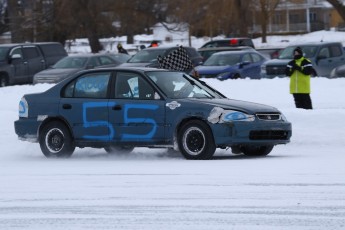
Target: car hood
244, 106
214, 69
138, 64
277, 62
58, 71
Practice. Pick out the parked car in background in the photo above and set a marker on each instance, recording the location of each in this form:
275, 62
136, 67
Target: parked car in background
121, 108
325, 56
232, 65
270, 53
72, 64
207, 52
20, 62
241, 41
148, 57
120, 57
338, 72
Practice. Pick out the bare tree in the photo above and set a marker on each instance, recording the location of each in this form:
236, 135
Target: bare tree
267, 8
339, 6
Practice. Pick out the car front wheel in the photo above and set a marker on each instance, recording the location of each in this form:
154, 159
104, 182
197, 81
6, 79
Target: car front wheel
256, 151
195, 141
56, 141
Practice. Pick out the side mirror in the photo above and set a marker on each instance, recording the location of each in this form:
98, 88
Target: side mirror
15, 59
244, 64
16, 56
90, 66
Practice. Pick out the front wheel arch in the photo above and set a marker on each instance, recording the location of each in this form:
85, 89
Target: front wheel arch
195, 140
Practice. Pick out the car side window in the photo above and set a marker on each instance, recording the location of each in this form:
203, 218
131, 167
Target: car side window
106, 60
30, 52
335, 51
132, 86
93, 62
246, 58
93, 85
324, 52
17, 50
256, 58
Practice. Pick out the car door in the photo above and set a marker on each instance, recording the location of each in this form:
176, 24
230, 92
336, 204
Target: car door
34, 61
18, 65
84, 105
248, 67
137, 117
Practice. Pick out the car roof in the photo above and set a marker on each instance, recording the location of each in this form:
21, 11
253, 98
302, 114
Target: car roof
234, 48
139, 69
311, 44
88, 55
236, 52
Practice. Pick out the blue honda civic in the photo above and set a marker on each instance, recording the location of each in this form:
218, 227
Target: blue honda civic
121, 108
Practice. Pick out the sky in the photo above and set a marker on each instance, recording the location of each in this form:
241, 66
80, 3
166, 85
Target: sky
299, 185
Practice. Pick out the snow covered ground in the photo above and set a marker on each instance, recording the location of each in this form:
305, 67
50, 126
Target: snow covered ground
300, 185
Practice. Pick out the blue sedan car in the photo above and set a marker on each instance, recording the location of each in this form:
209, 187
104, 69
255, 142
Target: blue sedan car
121, 108
232, 65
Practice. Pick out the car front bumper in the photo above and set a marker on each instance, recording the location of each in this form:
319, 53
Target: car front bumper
252, 133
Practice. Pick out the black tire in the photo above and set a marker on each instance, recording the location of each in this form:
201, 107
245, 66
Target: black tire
119, 149
256, 151
195, 141
236, 76
3, 81
56, 140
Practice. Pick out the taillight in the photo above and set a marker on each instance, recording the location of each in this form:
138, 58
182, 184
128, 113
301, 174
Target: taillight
233, 42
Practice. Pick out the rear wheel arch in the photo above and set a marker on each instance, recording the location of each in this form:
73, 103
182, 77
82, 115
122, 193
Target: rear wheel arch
58, 119
4, 79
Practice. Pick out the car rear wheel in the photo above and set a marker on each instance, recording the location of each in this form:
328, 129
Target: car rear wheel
119, 149
253, 150
3, 81
56, 140
237, 76
195, 141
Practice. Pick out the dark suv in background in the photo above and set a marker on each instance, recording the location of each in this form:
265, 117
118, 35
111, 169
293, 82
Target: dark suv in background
20, 62
148, 57
242, 41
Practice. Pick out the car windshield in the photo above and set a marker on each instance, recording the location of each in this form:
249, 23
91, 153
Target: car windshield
149, 55
223, 59
178, 85
3, 53
308, 52
71, 63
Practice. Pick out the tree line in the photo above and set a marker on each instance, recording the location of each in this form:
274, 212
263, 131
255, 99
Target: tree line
60, 20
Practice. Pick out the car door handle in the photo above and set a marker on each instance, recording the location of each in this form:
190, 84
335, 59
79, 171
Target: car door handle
117, 107
67, 106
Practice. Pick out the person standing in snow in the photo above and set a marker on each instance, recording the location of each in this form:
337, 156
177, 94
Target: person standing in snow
120, 49
299, 70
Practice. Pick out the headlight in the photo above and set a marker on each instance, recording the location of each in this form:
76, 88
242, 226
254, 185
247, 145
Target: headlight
283, 118
23, 108
219, 115
263, 69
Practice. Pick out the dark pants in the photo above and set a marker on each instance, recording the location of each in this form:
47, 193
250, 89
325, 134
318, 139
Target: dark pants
302, 100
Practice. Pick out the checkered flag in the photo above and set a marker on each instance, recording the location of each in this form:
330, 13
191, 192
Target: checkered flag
176, 60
